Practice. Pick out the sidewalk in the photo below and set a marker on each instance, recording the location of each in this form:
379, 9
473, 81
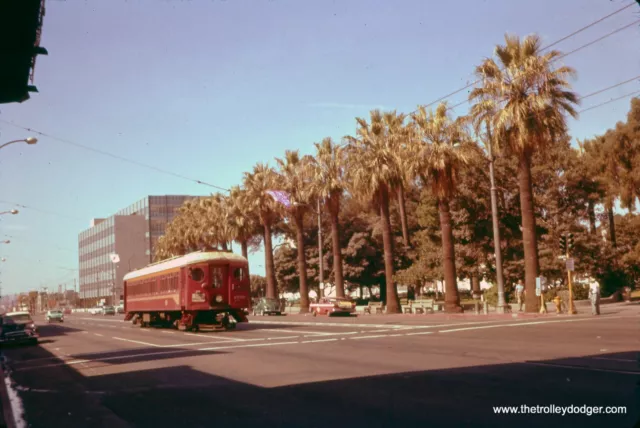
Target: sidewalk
583, 309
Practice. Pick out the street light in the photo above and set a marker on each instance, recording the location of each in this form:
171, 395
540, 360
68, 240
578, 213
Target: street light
14, 212
501, 306
30, 140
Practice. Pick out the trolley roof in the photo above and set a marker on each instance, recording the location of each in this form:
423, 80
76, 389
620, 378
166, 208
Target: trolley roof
197, 257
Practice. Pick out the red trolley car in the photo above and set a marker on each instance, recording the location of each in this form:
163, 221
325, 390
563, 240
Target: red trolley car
198, 290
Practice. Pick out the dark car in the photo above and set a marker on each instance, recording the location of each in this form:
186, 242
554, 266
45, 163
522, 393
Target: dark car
18, 327
109, 310
266, 306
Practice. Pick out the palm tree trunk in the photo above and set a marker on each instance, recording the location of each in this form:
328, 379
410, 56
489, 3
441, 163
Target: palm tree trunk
612, 226
334, 209
268, 260
451, 296
591, 210
529, 238
225, 247
302, 262
392, 300
475, 284
403, 216
245, 248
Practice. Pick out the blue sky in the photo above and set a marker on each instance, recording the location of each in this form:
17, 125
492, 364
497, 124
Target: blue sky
208, 88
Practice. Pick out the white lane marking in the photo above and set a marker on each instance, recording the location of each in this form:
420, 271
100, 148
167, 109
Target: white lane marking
420, 332
64, 363
98, 334
318, 340
212, 337
62, 357
380, 331
251, 345
295, 331
592, 369
368, 337
168, 332
177, 345
325, 324
522, 324
387, 327
101, 320
337, 334
138, 342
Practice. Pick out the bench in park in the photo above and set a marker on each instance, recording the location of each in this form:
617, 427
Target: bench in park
377, 305
421, 306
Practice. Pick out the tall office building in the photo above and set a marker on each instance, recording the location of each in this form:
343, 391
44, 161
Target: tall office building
131, 234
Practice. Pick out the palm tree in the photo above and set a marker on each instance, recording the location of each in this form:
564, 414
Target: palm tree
329, 185
530, 99
257, 183
295, 179
399, 136
241, 220
372, 173
443, 148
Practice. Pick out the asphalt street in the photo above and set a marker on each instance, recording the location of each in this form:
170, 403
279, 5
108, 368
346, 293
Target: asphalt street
300, 371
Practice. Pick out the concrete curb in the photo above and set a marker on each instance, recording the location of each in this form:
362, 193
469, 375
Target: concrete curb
7, 410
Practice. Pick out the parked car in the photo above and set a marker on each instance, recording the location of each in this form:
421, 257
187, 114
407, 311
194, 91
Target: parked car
54, 315
67, 311
108, 310
333, 305
267, 306
96, 311
120, 308
18, 327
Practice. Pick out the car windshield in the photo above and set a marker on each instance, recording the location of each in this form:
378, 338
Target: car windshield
56, 312
18, 318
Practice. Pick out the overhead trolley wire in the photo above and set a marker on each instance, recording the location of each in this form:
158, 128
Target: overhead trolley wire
457, 91
177, 175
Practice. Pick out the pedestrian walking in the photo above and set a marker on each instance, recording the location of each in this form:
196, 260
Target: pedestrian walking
520, 294
594, 296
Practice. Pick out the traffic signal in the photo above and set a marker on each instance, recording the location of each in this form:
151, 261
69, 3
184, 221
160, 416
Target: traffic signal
570, 242
563, 244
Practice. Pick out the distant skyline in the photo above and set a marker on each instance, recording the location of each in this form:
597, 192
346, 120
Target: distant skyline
206, 89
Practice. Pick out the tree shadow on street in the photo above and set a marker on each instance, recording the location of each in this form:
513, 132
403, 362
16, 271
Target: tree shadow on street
179, 395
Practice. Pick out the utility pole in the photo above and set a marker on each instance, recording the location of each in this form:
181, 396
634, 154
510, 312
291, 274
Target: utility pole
496, 227
566, 245
320, 257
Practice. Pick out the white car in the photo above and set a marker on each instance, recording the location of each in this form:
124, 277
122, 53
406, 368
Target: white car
96, 311
54, 315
